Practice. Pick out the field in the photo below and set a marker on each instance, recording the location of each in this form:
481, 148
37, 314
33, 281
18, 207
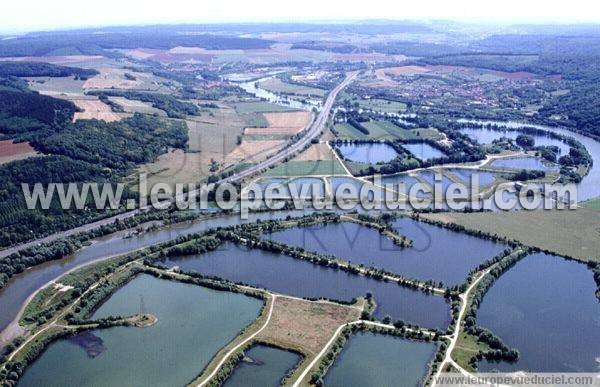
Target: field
318, 151
255, 151
378, 130
284, 123
276, 85
57, 86
94, 109
305, 325
134, 106
572, 233
593, 204
117, 78
307, 168
10, 151
260, 107
175, 166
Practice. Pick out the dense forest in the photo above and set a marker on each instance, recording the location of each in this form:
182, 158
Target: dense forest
171, 105
40, 69
84, 151
92, 43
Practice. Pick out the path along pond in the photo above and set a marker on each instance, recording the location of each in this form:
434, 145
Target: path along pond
192, 326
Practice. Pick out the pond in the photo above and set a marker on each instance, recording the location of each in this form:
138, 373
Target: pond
423, 151
465, 174
487, 136
589, 187
546, 308
370, 359
316, 186
408, 180
21, 286
192, 327
263, 366
286, 275
437, 254
370, 153
518, 163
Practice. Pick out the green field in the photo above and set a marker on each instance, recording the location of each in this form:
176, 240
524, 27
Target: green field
375, 104
564, 232
378, 130
307, 168
593, 204
260, 107
276, 85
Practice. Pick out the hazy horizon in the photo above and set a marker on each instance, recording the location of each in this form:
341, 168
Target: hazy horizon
26, 16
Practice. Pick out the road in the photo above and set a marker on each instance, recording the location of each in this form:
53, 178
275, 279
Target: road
313, 131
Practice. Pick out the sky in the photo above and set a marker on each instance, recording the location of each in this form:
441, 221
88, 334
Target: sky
30, 15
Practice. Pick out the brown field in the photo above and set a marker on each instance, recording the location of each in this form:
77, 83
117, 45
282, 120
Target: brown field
254, 151
175, 166
573, 233
94, 108
288, 123
403, 70
135, 106
11, 151
111, 77
305, 326
318, 151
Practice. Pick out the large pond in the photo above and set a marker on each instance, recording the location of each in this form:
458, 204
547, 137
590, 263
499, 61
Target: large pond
262, 366
487, 136
286, 275
21, 286
589, 187
378, 360
192, 326
546, 308
518, 163
465, 174
423, 151
408, 181
370, 153
437, 254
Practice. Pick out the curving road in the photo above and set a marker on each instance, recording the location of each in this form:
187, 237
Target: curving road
313, 131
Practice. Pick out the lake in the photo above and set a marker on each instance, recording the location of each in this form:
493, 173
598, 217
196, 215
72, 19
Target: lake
423, 151
546, 308
487, 136
437, 254
192, 327
294, 277
370, 359
263, 366
465, 174
370, 153
519, 163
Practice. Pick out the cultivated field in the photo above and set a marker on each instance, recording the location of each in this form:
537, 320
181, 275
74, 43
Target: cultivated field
11, 151
134, 106
276, 85
94, 109
307, 168
318, 151
260, 107
57, 86
572, 233
283, 123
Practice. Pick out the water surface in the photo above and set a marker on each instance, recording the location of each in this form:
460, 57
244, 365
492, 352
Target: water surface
518, 163
370, 359
546, 308
192, 326
263, 366
286, 275
423, 151
437, 254
370, 153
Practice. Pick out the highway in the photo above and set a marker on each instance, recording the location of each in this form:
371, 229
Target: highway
312, 132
